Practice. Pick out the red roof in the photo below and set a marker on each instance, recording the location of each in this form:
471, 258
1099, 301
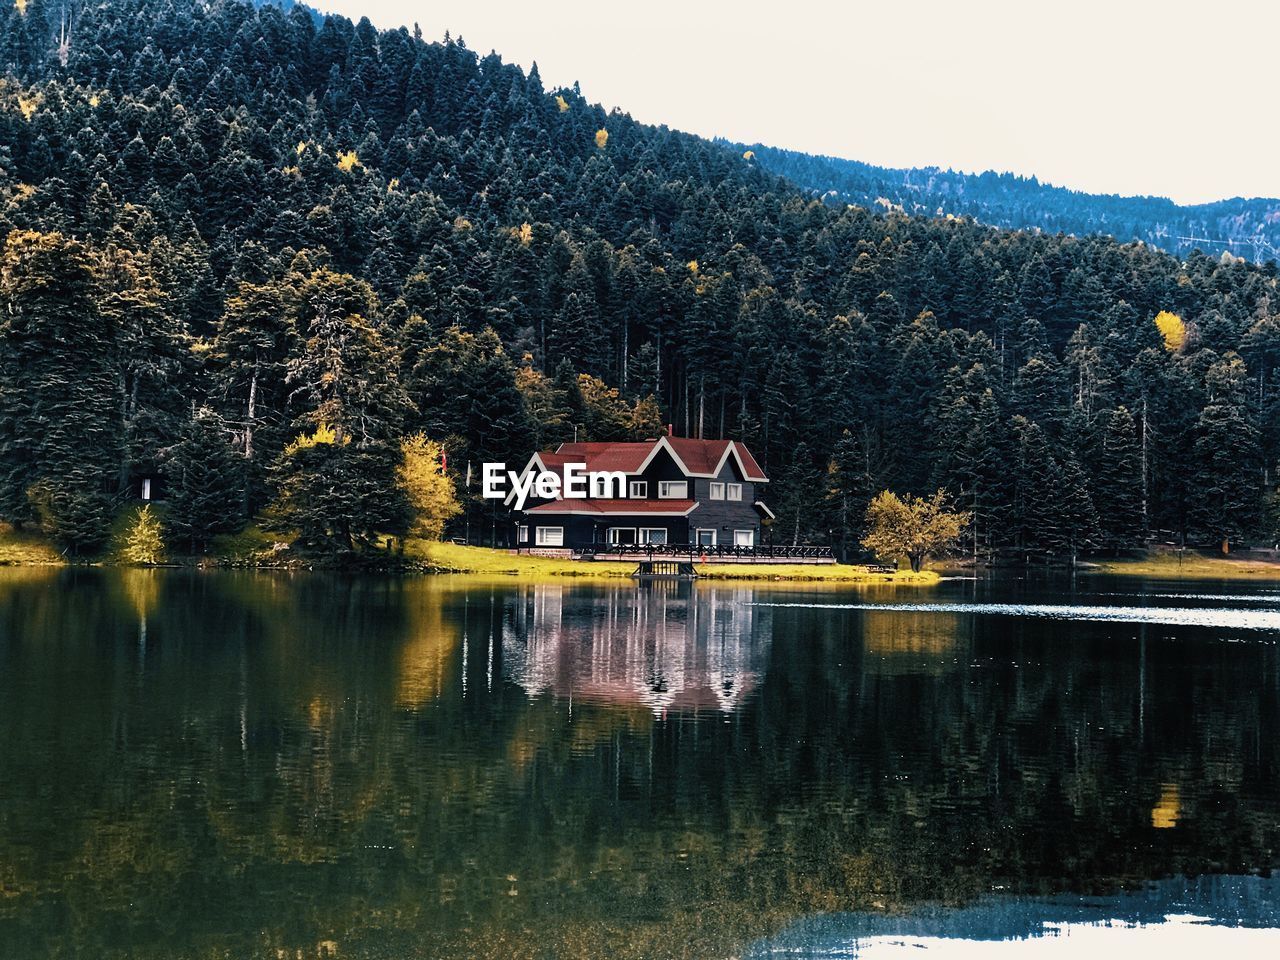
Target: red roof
677, 508
699, 457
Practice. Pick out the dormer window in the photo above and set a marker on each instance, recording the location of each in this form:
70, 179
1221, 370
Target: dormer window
717, 491
732, 491
673, 489
638, 489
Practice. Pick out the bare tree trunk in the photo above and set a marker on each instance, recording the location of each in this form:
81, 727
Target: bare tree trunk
626, 340
253, 410
702, 399
1146, 525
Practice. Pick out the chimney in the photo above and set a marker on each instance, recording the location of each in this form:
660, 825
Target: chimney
671, 432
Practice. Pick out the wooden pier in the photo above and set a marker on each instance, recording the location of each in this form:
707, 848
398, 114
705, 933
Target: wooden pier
665, 570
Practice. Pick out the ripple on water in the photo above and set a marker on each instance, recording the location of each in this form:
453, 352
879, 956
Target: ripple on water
1231, 618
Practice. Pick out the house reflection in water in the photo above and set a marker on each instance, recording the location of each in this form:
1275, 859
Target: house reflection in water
669, 646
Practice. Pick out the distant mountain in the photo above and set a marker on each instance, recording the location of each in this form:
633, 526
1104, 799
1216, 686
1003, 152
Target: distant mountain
1246, 228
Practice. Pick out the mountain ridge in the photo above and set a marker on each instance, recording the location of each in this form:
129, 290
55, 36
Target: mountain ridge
1248, 227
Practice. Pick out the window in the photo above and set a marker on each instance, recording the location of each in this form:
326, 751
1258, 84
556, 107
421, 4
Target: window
621, 535
673, 489
522, 533
717, 491
744, 538
551, 536
655, 536
146, 488
733, 491
706, 537
639, 489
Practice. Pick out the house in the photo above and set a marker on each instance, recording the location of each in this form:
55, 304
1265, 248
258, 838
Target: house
678, 491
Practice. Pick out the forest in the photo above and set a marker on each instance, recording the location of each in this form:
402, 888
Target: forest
251, 251
1248, 228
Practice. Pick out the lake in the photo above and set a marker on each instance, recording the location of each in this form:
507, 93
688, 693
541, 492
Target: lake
222, 764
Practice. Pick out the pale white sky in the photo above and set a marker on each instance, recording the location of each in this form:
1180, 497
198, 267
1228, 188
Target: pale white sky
1164, 97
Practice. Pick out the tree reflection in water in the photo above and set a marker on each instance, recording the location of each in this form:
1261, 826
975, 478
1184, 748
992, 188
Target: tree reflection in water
449, 768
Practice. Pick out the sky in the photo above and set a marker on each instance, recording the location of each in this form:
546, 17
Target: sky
1162, 97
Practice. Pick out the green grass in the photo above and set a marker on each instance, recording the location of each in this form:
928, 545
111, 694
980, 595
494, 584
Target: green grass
251, 543
816, 572
26, 549
253, 546
451, 558
1193, 566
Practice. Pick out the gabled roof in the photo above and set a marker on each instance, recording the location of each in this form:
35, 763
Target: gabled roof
696, 458
650, 508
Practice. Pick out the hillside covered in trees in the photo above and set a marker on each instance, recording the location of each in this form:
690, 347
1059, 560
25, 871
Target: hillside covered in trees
251, 254
1248, 228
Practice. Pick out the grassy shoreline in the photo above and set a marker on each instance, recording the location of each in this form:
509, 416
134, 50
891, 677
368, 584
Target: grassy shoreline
255, 549
451, 558
428, 558
1192, 566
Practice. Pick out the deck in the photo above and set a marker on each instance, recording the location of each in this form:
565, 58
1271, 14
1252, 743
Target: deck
690, 553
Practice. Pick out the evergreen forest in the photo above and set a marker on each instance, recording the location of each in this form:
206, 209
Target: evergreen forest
249, 251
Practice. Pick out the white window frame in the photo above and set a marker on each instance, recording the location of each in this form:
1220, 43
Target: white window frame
733, 491
751, 538
697, 536
146, 488
665, 490
644, 536
717, 490
638, 489
550, 536
522, 533
610, 536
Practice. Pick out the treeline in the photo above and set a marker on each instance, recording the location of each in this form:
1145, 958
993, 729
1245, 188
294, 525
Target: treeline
247, 251
1248, 228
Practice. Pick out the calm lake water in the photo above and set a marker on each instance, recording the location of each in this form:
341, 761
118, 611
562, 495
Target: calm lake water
200, 765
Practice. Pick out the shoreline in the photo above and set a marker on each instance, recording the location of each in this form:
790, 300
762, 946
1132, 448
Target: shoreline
421, 558
1164, 566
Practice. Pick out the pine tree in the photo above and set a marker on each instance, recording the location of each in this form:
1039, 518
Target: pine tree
60, 424
1118, 482
337, 484
1035, 514
206, 477
1226, 458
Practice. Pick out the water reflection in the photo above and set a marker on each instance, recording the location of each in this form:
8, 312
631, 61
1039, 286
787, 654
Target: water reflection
1168, 919
666, 646
198, 764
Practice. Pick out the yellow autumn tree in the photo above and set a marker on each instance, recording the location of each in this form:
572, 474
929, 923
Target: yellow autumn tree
348, 161
143, 541
912, 527
562, 103
325, 434
429, 491
602, 138
22, 6
1173, 329
749, 155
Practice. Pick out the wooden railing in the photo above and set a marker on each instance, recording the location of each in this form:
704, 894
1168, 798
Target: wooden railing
693, 552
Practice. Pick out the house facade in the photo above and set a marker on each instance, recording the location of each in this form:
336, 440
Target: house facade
678, 491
